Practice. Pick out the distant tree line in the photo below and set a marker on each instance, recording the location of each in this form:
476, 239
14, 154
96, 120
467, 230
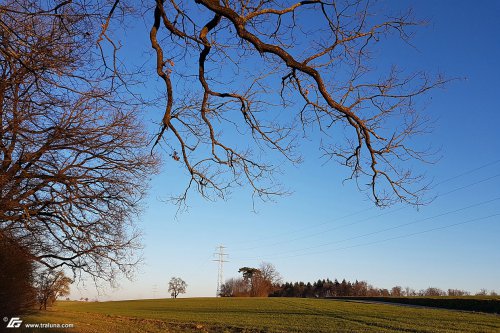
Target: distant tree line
327, 288
265, 281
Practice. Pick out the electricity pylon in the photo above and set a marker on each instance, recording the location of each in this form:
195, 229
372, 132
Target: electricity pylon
221, 260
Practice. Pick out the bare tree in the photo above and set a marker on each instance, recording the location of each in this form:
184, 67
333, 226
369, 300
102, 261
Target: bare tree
243, 78
258, 282
270, 273
51, 284
235, 287
433, 291
397, 291
410, 292
73, 163
271, 73
482, 292
176, 286
458, 292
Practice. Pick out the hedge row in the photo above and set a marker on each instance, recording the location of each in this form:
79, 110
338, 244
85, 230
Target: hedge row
467, 304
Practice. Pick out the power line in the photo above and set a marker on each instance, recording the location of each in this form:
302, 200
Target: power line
366, 209
323, 231
469, 185
302, 229
391, 238
372, 217
467, 172
392, 228
220, 274
422, 232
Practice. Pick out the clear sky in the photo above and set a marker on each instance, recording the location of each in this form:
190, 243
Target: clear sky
329, 229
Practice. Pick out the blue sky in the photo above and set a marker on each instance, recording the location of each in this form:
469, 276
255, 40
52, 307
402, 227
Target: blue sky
329, 229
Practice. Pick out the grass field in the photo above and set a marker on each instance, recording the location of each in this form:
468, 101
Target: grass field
257, 315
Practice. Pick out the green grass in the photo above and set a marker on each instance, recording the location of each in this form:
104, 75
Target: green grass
259, 315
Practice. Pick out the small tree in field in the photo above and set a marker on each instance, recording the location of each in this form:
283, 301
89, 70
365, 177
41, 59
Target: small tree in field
177, 286
50, 285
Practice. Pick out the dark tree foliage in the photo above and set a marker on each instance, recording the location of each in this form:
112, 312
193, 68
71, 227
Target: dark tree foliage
327, 288
16, 278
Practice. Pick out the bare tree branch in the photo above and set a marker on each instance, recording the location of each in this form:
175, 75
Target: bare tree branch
73, 161
328, 68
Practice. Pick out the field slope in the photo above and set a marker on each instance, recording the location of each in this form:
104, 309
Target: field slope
257, 315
